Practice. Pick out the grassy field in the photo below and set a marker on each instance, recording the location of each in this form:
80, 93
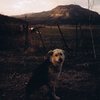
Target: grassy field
80, 79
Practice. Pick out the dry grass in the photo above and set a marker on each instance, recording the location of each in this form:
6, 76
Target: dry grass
80, 77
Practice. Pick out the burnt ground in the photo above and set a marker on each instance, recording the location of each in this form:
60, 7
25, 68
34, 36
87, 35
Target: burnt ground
77, 82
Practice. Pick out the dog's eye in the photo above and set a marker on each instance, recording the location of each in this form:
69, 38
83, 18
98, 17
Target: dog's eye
61, 54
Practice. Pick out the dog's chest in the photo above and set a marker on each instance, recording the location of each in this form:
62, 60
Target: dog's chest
53, 72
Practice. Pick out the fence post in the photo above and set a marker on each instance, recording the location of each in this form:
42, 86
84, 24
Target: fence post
63, 39
26, 36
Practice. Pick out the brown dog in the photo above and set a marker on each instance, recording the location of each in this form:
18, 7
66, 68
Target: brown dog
47, 73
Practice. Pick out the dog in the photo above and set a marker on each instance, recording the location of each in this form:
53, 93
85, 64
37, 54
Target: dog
47, 74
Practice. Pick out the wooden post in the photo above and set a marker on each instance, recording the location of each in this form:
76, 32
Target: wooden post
63, 39
76, 39
26, 36
41, 39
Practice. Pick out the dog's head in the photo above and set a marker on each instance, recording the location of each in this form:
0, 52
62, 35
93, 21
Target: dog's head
56, 56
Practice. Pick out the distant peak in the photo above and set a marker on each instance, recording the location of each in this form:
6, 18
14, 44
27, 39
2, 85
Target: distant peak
67, 6
63, 10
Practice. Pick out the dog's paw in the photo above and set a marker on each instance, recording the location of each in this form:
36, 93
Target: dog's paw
56, 97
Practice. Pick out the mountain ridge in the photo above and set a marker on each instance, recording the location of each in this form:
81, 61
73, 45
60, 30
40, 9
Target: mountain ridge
63, 14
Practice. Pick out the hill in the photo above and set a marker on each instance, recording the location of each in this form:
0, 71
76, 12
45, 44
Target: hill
63, 14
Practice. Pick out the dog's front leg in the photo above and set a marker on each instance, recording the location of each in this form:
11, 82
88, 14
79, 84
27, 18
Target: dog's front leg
53, 91
54, 94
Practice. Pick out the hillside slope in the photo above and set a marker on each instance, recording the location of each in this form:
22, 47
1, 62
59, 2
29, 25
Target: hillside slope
63, 14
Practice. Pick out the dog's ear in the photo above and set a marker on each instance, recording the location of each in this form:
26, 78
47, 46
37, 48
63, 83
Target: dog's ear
49, 54
63, 51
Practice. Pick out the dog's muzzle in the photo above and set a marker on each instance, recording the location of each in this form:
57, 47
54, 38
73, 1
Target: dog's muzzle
60, 60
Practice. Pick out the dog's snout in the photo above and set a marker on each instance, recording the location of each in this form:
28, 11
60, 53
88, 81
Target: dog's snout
60, 60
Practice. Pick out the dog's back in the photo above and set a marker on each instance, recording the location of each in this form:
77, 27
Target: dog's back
39, 78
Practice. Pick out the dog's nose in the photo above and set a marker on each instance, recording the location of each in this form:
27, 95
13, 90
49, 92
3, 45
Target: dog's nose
60, 60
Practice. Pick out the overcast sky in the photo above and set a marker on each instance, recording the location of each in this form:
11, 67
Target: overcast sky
16, 7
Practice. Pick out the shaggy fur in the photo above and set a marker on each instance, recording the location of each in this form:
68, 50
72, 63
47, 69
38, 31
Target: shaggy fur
47, 73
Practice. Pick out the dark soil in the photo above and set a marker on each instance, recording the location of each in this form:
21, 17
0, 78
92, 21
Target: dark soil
77, 82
